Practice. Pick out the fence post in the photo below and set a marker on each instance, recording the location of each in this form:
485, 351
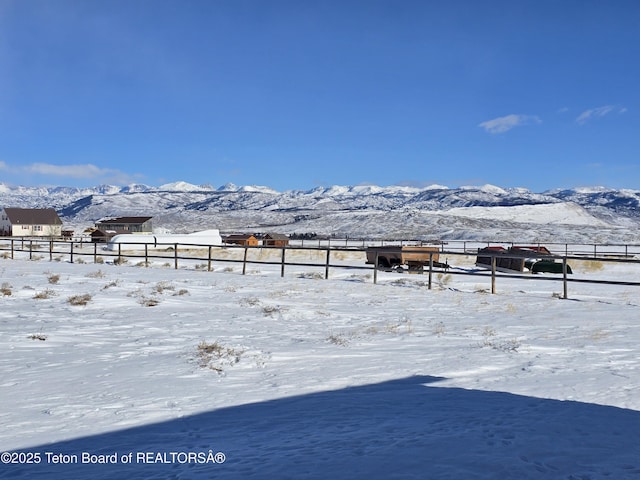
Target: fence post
493, 274
375, 269
50, 250
209, 260
146, 254
71, 253
564, 278
12, 249
430, 269
326, 265
30, 249
244, 261
175, 255
95, 252
282, 264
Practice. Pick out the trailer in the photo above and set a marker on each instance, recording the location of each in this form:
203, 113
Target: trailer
398, 258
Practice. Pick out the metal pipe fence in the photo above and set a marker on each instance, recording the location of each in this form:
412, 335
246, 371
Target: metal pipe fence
38, 248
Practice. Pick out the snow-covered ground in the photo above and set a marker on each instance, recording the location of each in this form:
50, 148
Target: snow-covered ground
157, 371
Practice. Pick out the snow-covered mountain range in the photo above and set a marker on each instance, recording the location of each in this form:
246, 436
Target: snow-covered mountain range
582, 215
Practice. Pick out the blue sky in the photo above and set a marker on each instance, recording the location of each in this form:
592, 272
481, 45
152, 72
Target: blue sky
539, 94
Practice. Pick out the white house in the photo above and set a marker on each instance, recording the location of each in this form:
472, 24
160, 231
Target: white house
30, 222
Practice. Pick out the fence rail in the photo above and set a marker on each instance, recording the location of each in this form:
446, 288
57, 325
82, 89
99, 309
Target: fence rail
466, 246
180, 252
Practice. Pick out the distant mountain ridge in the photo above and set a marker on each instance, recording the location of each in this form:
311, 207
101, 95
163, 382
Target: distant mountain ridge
363, 210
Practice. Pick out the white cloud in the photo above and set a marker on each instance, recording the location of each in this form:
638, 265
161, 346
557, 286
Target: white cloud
76, 172
72, 171
506, 123
598, 112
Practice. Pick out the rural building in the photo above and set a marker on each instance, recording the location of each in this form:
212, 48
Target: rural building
109, 227
126, 224
275, 240
246, 240
98, 235
30, 222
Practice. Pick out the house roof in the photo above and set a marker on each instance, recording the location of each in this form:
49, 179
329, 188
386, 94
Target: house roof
239, 237
33, 216
276, 236
107, 221
106, 233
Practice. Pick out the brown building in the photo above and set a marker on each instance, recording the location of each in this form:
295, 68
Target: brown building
245, 240
126, 224
107, 228
275, 240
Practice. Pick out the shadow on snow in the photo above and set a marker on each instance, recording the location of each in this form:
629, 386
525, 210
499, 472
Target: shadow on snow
402, 428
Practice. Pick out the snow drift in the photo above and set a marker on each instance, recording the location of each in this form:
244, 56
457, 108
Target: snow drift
134, 241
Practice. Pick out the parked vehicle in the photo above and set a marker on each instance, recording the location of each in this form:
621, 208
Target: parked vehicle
518, 259
398, 258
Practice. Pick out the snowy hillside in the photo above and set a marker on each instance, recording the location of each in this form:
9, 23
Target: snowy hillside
435, 212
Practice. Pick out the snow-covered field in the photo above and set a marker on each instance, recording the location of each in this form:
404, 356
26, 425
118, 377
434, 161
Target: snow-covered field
120, 371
